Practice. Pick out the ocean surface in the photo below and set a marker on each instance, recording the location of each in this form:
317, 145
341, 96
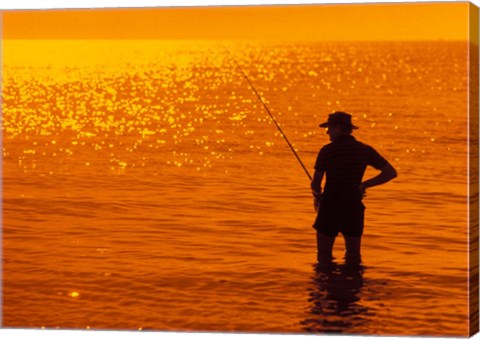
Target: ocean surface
146, 188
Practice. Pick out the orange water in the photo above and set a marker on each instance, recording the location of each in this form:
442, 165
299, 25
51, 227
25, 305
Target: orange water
144, 186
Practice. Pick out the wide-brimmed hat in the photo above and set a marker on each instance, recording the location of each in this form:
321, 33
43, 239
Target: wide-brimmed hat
339, 118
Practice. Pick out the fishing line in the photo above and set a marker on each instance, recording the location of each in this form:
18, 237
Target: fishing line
270, 114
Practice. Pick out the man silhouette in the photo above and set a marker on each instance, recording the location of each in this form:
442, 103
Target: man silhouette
340, 208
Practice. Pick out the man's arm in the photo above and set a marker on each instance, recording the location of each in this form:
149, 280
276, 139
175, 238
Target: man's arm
316, 184
387, 173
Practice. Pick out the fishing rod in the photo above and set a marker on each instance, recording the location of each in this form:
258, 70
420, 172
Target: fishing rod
270, 114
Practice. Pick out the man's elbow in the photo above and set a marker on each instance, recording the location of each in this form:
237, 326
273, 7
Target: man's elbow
391, 172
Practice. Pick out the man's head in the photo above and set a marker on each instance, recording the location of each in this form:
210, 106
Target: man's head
338, 124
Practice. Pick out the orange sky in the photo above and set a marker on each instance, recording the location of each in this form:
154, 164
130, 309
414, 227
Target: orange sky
408, 21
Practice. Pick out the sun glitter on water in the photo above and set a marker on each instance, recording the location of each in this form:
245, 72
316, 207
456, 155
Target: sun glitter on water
74, 294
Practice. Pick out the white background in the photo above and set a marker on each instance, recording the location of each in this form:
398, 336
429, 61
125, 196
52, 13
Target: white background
46, 4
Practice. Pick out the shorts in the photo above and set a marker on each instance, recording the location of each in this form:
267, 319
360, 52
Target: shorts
346, 217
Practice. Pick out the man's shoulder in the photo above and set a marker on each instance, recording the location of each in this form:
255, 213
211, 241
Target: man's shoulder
342, 145
364, 145
375, 159
328, 148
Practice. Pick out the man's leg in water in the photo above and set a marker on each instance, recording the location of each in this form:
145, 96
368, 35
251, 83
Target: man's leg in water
352, 245
324, 248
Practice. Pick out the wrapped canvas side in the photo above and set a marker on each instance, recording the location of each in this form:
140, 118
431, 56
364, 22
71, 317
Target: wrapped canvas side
473, 178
